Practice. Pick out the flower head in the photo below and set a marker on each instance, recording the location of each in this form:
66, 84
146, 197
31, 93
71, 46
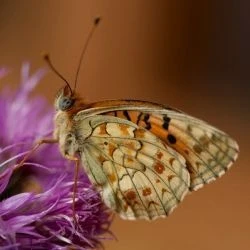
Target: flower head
36, 199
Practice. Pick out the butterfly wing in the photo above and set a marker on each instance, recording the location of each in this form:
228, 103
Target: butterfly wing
208, 151
138, 174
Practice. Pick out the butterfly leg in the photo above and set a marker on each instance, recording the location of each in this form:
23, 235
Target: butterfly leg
35, 147
77, 164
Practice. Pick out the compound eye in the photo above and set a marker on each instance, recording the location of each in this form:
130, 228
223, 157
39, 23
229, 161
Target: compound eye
65, 103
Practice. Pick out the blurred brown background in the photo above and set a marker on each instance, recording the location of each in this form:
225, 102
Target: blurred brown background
188, 54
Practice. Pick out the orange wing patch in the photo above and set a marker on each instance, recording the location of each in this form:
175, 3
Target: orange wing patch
124, 129
159, 168
146, 191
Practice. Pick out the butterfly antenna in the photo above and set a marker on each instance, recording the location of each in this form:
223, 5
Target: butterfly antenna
47, 59
96, 22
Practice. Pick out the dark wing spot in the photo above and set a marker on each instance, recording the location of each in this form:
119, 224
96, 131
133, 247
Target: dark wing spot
166, 121
138, 118
126, 114
171, 139
146, 117
148, 124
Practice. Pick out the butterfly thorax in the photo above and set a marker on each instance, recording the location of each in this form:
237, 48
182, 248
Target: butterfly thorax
65, 125
63, 132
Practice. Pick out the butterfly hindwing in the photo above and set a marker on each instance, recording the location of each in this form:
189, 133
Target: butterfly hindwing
138, 174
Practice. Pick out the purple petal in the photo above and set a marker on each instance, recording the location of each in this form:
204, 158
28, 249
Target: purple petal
14, 202
4, 179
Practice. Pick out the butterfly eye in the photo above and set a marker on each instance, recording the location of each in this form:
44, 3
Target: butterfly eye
65, 103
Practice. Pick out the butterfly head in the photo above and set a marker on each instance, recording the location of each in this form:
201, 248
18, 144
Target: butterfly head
65, 100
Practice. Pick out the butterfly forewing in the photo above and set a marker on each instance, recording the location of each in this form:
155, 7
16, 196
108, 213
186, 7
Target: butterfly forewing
128, 144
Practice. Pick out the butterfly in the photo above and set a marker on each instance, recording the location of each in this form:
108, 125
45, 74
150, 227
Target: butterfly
142, 157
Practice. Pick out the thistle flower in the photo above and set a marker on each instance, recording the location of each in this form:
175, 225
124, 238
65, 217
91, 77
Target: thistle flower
36, 198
